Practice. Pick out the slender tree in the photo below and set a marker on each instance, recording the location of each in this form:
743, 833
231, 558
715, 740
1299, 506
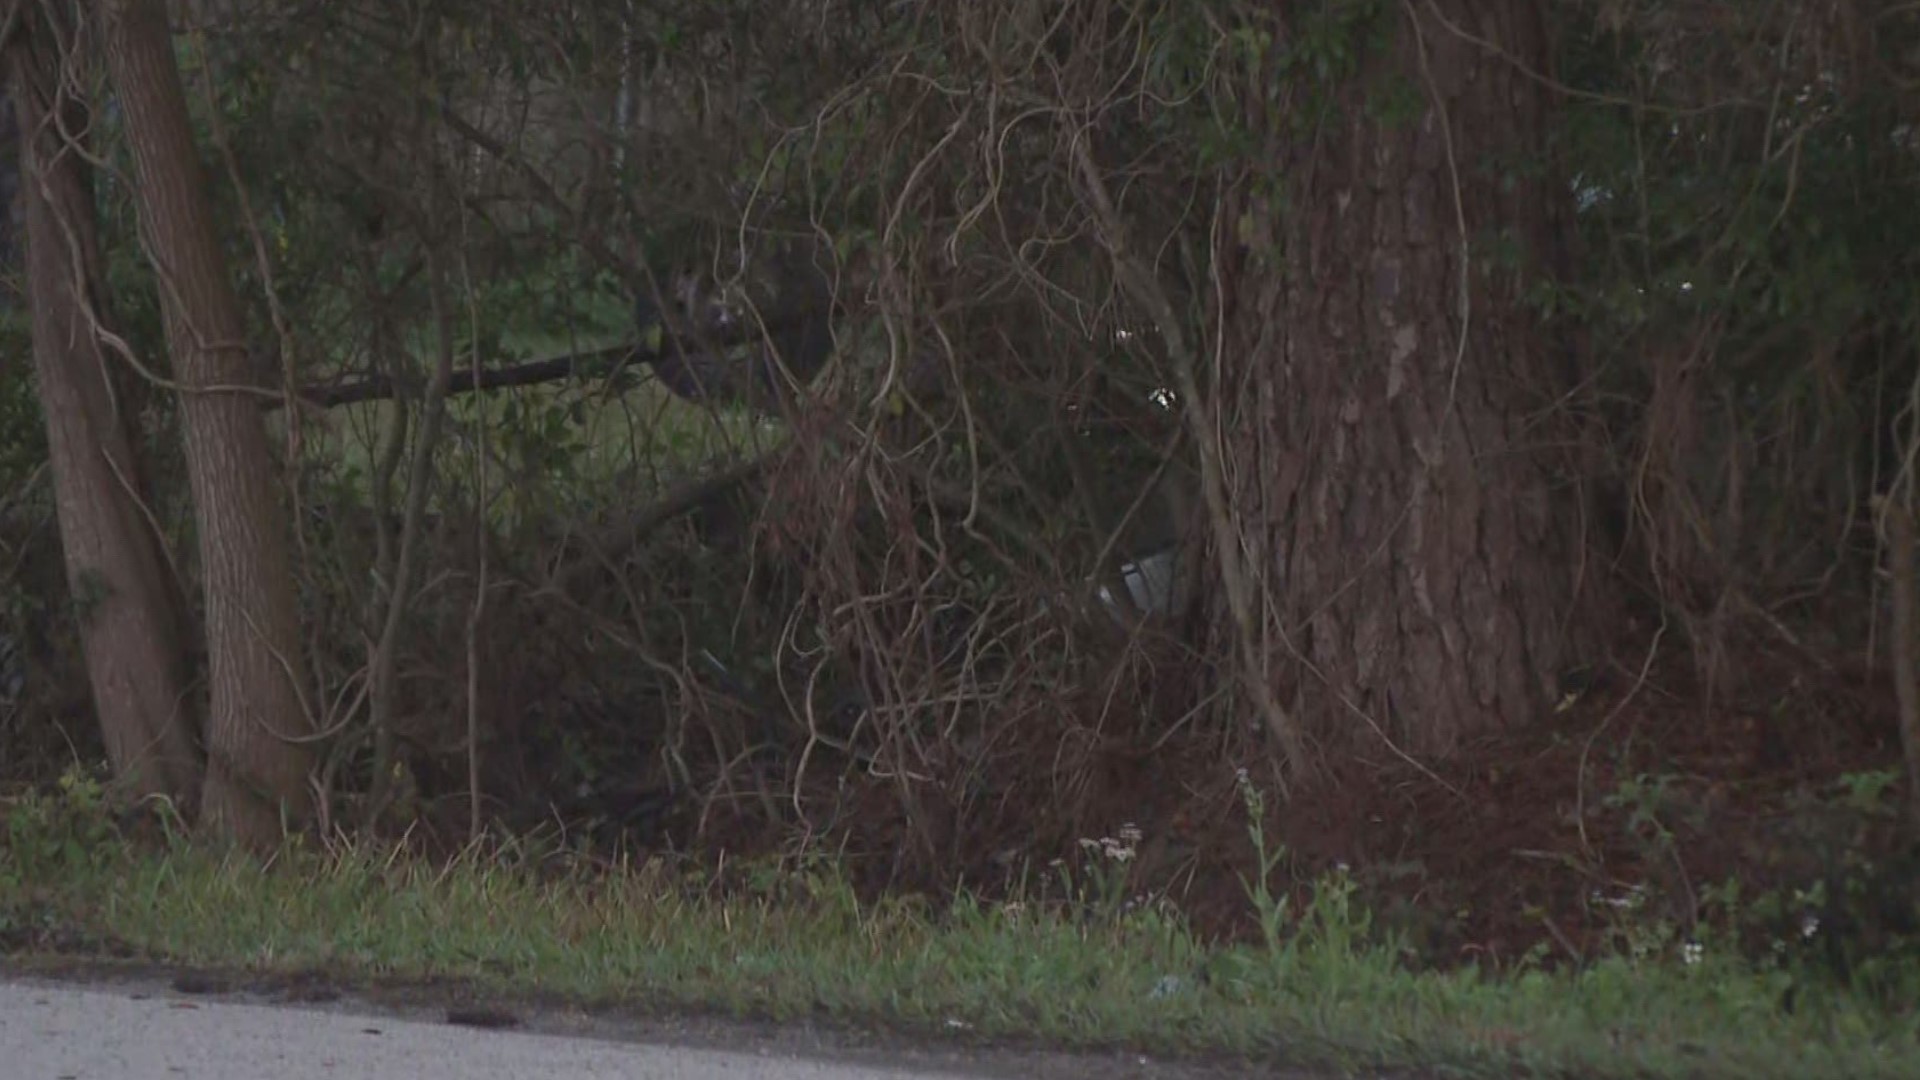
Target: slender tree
259, 726
132, 626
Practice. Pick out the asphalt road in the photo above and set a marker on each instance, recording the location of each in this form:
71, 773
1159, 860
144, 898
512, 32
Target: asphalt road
124, 1024
50, 1032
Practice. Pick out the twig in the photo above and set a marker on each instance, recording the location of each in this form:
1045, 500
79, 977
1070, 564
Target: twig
477, 617
1140, 283
1557, 86
1586, 750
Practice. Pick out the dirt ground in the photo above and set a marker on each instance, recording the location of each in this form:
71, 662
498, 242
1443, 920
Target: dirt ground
1643, 797
1644, 791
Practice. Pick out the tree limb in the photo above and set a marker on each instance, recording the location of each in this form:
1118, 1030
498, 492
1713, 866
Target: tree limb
591, 363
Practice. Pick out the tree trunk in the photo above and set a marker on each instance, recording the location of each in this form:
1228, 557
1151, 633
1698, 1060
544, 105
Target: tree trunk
132, 626
258, 729
1393, 456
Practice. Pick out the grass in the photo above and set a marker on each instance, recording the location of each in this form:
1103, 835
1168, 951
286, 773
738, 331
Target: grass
795, 942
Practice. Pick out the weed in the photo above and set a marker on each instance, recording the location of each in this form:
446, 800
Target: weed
1271, 909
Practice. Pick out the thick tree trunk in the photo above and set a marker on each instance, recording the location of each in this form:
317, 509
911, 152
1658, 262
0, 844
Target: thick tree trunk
132, 627
1394, 460
258, 753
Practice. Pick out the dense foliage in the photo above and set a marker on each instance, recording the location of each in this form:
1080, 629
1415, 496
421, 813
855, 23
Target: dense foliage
892, 619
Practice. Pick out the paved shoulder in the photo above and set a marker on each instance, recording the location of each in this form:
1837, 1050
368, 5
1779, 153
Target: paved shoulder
52, 1032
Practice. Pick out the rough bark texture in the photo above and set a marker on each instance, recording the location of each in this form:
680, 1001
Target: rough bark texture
1420, 561
257, 727
132, 628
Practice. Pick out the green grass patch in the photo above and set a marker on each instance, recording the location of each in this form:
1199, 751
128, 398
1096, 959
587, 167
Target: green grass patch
796, 942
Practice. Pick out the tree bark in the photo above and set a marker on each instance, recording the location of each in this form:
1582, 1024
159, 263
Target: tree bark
1393, 461
259, 727
133, 630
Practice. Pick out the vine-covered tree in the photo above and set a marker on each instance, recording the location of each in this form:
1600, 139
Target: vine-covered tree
1397, 481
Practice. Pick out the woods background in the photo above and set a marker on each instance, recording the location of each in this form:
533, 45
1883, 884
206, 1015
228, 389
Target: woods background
1488, 426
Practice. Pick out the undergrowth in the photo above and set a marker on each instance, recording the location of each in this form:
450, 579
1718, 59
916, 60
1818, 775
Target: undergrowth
1087, 968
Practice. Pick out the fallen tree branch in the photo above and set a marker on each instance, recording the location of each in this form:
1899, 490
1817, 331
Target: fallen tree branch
596, 363
591, 364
